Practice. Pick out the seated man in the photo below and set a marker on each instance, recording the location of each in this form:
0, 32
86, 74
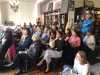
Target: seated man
31, 29
27, 41
54, 28
33, 52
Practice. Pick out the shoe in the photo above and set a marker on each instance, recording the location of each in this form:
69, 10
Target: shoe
20, 71
9, 65
46, 72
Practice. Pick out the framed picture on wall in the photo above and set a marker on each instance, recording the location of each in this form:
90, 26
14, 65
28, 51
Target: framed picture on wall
71, 5
50, 7
58, 5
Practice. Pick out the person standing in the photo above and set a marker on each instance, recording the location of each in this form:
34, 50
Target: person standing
86, 25
56, 23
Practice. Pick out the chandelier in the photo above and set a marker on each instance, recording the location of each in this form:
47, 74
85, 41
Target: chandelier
14, 5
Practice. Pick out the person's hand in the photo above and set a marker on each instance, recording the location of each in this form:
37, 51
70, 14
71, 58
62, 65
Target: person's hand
42, 42
99, 40
84, 25
46, 47
84, 43
17, 49
19, 44
26, 52
72, 44
71, 74
17, 39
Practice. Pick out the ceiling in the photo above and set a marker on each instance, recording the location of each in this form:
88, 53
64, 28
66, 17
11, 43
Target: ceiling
21, 1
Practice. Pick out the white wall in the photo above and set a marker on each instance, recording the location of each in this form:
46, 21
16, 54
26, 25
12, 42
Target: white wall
51, 1
26, 13
0, 15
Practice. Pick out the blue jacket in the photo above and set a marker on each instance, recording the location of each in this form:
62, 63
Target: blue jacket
46, 39
31, 30
34, 31
87, 27
26, 44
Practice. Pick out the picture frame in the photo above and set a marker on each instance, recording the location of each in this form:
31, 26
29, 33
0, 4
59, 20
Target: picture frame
71, 5
89, 4
57, 5
50, 7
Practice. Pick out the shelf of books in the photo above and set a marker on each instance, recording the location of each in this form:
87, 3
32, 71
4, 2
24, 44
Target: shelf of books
49, 18
96, 21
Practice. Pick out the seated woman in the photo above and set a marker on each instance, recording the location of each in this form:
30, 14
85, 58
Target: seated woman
74, 42
44, 34
89, 42
55, 52
2, 34
61, 30
6, 45
66, 38
67, 35
81, 65
31, 54
19, 42
47, 38
51, 43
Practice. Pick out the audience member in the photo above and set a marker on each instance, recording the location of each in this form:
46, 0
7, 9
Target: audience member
54, 28
2, 34
74, 42
31, 29
67, 34
89, 42
44, 34
31, 54
47, 38
61, 30
24, 26
56, 23
86, 25
6, 45
27, 41
51, 43
81, 65
55, 52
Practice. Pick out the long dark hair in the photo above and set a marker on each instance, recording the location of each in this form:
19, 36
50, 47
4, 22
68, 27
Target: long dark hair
90, 31
76, 32
8, 35
69, 32
61, 33
54, 32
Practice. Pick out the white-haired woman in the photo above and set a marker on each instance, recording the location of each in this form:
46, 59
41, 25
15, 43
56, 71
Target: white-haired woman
30, 54
44, 34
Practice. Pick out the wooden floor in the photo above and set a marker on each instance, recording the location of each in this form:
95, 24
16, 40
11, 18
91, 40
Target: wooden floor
36, 71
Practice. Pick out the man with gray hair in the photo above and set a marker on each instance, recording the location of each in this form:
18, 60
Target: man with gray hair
86, 25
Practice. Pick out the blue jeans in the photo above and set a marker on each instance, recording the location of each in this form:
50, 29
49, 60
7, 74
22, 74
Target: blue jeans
83, 35
67, 66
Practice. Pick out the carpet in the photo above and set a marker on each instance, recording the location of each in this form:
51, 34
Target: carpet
95, 69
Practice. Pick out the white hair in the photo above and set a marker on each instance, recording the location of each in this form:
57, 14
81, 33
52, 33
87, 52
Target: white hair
46, 29
37, 37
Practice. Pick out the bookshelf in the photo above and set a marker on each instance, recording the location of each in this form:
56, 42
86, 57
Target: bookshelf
96, 20
49, 18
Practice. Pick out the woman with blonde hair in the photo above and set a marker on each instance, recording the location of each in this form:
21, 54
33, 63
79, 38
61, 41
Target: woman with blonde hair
81, 65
